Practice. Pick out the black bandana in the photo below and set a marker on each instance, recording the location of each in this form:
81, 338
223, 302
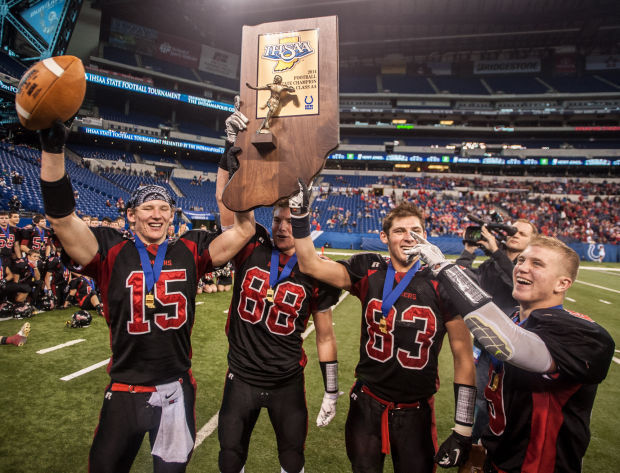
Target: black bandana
150, 192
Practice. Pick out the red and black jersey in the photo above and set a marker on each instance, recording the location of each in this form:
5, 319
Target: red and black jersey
399, 365
540, 422
36, 238
9, 237
26, 270
265, 343
149, 346
84, 289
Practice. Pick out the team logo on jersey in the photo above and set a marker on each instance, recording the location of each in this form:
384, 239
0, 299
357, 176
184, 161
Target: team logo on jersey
287, 52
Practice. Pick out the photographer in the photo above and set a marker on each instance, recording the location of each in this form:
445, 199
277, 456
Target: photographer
494, 276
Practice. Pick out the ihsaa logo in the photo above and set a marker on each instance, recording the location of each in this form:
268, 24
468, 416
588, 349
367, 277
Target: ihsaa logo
287, 52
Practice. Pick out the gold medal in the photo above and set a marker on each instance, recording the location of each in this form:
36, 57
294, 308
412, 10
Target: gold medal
383, 325
494, 382
269, 296
149, 301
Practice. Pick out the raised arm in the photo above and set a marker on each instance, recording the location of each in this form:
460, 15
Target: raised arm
58, 199
232, 239
502, 338
309, 262
229, 243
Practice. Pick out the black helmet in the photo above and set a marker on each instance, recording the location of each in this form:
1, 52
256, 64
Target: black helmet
81, 318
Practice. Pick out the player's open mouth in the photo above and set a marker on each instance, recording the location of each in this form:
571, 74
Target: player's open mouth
524, 281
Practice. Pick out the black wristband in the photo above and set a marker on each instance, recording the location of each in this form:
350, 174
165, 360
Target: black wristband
329, 369
58, 198
300, 226
224, 160
464, 404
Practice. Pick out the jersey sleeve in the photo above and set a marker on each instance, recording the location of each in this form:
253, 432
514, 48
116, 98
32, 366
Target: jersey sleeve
581, 349
198, 242
261, 236
359, 266
106, 238
326, 296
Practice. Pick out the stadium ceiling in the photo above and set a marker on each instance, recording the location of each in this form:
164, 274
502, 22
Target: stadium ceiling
375, 28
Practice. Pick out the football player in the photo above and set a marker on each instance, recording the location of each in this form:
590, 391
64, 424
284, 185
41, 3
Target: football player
403, 324
148, 285
270, 309
547, 361
37, 237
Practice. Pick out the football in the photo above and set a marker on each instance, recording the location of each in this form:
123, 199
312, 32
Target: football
51, 89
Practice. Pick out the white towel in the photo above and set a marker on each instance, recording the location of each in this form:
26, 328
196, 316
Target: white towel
174, 440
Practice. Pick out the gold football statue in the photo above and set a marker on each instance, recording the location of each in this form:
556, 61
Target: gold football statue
278, 89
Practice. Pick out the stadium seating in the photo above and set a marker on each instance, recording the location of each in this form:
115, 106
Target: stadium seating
515, 85
123, 56
102, 153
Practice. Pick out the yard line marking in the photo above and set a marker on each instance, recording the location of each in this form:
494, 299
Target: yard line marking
570, 299
6, 318
85, 370
598, 287
210, 426
200, 302
62, 345
617, 360
206, 430
617, 351
604, 302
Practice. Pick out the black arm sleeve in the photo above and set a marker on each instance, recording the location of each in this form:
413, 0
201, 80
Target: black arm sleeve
466, 260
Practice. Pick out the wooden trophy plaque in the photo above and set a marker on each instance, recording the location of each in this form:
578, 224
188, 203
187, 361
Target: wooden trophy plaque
289, 92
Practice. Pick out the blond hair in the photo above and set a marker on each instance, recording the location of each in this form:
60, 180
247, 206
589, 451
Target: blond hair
569, 256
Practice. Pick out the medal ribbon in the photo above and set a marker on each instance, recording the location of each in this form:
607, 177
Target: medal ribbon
274, 279
391, 295
151, 273
7, 232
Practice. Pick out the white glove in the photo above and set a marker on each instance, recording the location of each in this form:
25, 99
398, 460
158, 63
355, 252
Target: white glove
235, 123
428, 253
328, 409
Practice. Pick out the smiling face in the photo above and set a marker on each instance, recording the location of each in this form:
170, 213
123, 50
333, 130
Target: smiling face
540, 278
398, 239
151, 220
282, 231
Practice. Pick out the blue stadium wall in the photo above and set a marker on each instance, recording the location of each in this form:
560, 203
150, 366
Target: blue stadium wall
449, 245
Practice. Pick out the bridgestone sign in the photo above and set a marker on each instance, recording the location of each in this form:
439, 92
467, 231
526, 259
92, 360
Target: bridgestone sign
507, 66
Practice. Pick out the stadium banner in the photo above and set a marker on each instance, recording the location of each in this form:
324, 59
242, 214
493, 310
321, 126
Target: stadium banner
150, 42
163, 93
507, 66
119, 135
484, 160
44, 18
598, 252
601, 63
565, 64
195, 215
218, 61
177, 50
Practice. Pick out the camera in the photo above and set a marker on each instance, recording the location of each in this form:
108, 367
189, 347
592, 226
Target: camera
501, 231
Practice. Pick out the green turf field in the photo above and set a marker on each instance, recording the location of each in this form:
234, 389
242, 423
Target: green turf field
47, 424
